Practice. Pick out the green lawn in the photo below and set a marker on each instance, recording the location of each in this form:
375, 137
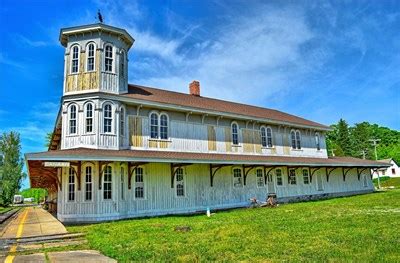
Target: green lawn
386, 181
362, 228
4, 209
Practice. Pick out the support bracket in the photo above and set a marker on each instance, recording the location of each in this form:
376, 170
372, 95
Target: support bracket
101, 171
345, 171
312, 172
173, 170
266, 174
329, 171
246, 172
213, 170
359, 172
132, 166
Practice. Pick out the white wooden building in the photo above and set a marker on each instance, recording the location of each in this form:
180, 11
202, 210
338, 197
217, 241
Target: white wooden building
393, 169
120, 150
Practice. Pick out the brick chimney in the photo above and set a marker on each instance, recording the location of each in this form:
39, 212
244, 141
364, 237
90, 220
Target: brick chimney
194, 88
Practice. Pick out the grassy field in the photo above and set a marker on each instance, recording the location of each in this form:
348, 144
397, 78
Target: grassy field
4, 209
386, 181
362, 228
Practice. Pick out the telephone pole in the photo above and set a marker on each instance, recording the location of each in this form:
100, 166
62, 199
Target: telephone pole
363, 152
375, 143
333, 152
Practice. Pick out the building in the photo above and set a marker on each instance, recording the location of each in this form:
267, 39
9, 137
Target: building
121, 150
392, 171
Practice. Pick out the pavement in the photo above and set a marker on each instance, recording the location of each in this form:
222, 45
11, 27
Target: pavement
34, 229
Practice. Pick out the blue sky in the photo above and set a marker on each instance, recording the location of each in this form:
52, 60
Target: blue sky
322, 60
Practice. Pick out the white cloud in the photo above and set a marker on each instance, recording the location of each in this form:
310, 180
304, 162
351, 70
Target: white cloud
4, 59
33, 43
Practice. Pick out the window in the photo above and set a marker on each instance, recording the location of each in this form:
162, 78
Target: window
90, 57
306, 177
89, 118
122, 182
237, 177
122, 122
292, 176
154, 126
139, 183
383, 172
365, 182
279, 180
235, 137
260, 178
107, 118
75, 59
180, 182
263, 137
269, 137
71, 185
122, 68
72, 119
317, 141
108, 58
296, 139
163, 126
88, 183
107, 191
393, 171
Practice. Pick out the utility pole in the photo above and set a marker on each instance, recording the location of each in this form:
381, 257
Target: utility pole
375, 143
332, 152
363, 152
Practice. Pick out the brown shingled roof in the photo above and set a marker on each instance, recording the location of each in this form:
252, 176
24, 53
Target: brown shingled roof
210, 104
191, 157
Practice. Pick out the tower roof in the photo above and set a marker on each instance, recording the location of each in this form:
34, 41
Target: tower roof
94, 28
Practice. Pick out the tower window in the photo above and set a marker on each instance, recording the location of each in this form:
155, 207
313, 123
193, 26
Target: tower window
75, 59
90, 57
107, 118
72, 119
108, 58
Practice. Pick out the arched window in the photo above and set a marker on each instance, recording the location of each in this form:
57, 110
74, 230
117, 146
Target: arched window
269, 137
235, 136
298, 140
72, 119
75, 59
107, 118
107, 185
154, 126
317, 141
88, 183
263, 137
180, 182
90, 57
108, 58
163, 126
89, 118
122, 122
122, 67
293, 139
71, 185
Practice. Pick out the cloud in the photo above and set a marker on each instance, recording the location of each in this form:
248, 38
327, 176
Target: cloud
10, 62
32, 43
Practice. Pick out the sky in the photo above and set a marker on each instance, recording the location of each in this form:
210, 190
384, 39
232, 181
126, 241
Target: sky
321, 60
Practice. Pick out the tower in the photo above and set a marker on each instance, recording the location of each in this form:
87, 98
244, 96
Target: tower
95, 59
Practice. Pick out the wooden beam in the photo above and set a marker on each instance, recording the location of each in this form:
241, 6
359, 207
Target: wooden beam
345, 171
329, 171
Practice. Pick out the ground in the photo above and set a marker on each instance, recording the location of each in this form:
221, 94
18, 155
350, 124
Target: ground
362, 228
387, 181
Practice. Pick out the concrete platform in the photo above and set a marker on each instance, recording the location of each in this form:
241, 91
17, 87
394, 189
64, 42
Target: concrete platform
87, 256
33, 221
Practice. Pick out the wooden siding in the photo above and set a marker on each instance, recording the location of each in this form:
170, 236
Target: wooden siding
135, 131
211, 136
160, 198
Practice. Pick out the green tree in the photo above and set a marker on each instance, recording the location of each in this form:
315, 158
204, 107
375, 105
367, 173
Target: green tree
11, 167
49, 136
343, 138
360, 136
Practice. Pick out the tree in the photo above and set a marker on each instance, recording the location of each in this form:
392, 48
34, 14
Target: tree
343, 138
360, 136
49, 136
11, 167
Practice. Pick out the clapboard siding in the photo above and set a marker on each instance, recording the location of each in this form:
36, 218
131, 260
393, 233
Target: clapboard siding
160, 198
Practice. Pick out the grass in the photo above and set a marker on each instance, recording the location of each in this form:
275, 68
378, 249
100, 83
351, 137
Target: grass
4, 209
387, 181
361, 228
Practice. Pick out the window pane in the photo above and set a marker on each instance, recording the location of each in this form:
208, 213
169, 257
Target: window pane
71, 185
263, 137
293, 136
88, 183
260, 178
107, 187
163, 127
298, 142
269, 137
235, 139
237, 177
306, 178
279, 177
154, 126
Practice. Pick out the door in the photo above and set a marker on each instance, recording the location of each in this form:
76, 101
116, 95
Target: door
320, 186
270, 184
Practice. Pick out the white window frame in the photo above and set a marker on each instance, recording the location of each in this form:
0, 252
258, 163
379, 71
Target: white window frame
161, 127
106, 182
158, 125
108, 118
71, 185
91, 57
74, 120
180, 182
155, 125
72, 59
269, 136
317, 141
263, 132
88, 184
279, 177
296, 139
233, 133
306, 176
122, 122
138, 184
260, 179
112, 58
234, 177
87, 118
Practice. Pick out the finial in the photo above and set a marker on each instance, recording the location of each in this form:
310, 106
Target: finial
99, 16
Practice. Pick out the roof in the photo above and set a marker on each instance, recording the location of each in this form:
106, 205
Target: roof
201, 103
84, 154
